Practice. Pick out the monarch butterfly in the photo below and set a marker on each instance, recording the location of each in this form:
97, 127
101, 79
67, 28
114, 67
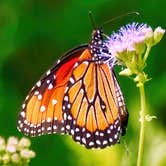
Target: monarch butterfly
79, 96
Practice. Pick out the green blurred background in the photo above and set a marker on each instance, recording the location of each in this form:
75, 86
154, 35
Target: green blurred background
33, 34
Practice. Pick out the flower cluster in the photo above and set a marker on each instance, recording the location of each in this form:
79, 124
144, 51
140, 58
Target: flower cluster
131, 46
15, 152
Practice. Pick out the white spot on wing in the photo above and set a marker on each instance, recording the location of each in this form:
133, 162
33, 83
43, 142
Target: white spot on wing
25, 121
48, 72
105, 142
91, 143
23, 106
71, 80
38, 84
101, 134
110, 139
58, 61
36, 93
84, 140
23, 114
54, 101
54, 127
78, 138
108, 131
27, 97
88, 135
48, 81
115, 136
85, 62
65, 116
66, 98
120, 104
68, 127
98, 142
72, 131
42, 108
97, 133
69, 117
76, 64
68, 106
48, 119
50, 86
119, 98
49, 128
77, 130
39, 97
55, 118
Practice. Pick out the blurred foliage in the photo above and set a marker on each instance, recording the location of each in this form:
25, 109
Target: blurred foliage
33, 34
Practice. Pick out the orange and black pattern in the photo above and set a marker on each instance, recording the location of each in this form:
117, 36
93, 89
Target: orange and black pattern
79, 96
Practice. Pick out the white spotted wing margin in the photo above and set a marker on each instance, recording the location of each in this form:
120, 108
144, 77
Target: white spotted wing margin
99, 138
47, 81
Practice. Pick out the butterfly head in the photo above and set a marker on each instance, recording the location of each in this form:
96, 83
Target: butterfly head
96, 42
98, 49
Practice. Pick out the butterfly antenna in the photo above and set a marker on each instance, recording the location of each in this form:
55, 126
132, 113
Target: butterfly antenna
120, 16
92, 19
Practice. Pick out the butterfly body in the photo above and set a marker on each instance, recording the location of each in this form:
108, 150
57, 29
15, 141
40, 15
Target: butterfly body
79, 96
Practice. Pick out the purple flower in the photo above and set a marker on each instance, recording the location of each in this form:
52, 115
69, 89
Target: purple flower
131, 45
128, 37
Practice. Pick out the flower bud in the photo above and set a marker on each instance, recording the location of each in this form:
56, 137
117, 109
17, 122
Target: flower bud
15, 158
32, 154
158, 34
11, 148
27, 154
126, 72
15, 152
12, 141
6, 158
149, 36
24, 143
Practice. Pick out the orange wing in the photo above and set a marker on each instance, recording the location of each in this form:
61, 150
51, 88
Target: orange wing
42, 110
92, 105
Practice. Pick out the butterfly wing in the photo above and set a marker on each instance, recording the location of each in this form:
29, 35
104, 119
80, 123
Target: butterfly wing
92, 112
79, 96
122, 107
42, 110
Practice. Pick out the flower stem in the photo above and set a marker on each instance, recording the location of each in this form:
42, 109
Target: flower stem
147, 53
142, 122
